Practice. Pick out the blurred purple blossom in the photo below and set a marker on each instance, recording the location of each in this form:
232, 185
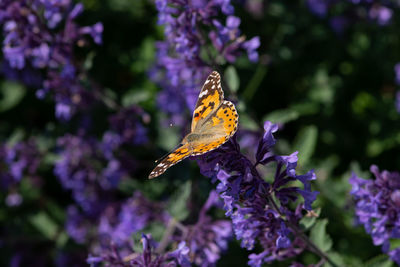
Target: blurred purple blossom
119, 222
16, 161
148, 257
208, 238
248, 198
79, 169
181, 68
77, 225
125, 124
319, 7
379, 12
397, 73
377, 207
32, 39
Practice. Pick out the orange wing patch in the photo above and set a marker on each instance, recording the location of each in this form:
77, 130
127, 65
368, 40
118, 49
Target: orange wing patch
207, 147
228, 114
170, 160
210, 98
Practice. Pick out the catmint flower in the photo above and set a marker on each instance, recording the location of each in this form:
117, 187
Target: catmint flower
33, 38
397, 73
16, 162
249, 198
377, 207
189, 25
208, 238
148, 257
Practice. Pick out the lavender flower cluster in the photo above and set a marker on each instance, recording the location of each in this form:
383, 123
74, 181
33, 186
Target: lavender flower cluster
377, 207
93, 169
256, 207
185, 57
201, 243
379, 12
397, 81
34, 40
18, 160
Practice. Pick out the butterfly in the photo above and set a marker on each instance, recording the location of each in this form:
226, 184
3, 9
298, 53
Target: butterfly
214, 121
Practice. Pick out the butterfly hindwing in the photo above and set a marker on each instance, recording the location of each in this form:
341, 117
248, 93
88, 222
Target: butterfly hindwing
174, 157
210, 98
229, 118
220, 126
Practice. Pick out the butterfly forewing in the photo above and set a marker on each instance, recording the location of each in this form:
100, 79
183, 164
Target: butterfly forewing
210, 98
174, 157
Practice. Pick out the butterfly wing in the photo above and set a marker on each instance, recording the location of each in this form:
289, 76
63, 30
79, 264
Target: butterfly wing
174, 157
217, 129
210, 98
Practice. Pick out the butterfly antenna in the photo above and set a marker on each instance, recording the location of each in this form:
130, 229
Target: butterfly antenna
166, 155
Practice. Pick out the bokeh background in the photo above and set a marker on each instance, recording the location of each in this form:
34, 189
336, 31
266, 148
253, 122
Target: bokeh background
90, 97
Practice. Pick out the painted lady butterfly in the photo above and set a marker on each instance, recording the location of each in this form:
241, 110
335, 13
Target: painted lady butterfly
214, 121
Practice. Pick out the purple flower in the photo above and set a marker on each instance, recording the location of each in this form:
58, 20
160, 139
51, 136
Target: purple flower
126, 124
118, 223
377, 207
77, 226
318, 7
180, 69
397, 73
381, 14
33, 38
248, 201
79, 169
148, 257
16, 161
208, 238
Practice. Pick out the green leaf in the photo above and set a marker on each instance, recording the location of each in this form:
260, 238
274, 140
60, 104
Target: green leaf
156, 229
137, 243
248, 123
177, 204
282, 116
336, 258
133, 97
306, 108
44, 224
232, 78
305, 143
61, 240
11, 94
17, 135
88, 63
254, 83
381, 260
170, 135
319, 236
308, 222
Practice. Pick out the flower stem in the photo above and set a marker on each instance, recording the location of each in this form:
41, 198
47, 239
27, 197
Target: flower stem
166, 237
311, 246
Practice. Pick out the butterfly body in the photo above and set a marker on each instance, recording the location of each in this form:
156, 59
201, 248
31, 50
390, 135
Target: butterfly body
214, 121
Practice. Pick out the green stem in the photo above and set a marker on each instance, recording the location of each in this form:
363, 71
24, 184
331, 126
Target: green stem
311, 246
167, 235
